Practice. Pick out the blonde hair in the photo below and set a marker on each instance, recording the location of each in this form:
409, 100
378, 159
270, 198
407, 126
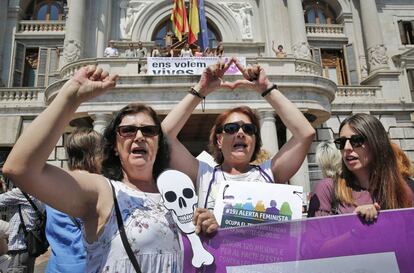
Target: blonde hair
329, 159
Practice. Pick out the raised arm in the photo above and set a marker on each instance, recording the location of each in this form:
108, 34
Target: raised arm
290, 157
181, 158
75, 193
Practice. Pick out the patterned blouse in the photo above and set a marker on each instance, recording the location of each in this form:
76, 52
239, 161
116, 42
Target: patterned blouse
150, 230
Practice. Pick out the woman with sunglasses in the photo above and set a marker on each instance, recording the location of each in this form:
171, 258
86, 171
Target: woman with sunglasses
370, 178
135, 153
235, 137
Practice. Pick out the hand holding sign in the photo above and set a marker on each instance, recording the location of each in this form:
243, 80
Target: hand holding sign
179, 196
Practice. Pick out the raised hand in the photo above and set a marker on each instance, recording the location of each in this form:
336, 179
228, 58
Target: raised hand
89, 82
212, 78
254, 77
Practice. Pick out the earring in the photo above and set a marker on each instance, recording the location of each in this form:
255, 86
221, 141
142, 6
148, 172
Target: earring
116, 153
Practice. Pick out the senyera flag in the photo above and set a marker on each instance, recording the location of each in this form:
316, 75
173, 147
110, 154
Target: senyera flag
194, 22
179, 19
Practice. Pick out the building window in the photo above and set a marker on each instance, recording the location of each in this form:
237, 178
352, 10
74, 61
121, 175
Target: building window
406, 32
318, 12
47, 10
410, 75
35, 66
165, 27
333, 66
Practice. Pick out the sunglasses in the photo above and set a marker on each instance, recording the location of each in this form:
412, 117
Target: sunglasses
232, 128
131, 130
355, 140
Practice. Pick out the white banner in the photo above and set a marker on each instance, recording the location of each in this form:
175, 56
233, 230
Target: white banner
246, 203
187, 66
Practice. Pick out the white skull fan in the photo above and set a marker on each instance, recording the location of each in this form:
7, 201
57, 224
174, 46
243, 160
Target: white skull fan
177, 191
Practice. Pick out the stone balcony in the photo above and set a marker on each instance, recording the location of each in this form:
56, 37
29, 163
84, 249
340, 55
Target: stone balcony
325, 32
300, 80
40, 26
22, 99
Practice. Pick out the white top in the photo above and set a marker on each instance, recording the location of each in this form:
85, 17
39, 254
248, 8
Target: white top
205, 174
111, 52
186, 53
150, 230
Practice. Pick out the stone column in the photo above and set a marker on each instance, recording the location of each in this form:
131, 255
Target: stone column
267, 9
300, 45
100, 120
301, 178
376, 51
13, 14
75, 25
103, 26
3, 24
268, 132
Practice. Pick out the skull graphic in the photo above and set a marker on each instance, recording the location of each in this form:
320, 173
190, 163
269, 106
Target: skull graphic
178, 193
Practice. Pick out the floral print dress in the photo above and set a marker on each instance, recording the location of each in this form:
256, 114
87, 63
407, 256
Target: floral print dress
150, 230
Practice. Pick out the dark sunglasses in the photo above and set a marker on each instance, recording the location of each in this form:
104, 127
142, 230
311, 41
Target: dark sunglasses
131, 130
232, 128
355, 140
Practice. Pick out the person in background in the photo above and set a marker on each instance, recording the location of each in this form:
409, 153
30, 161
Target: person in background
186, 51
404, 165
208, 53
64, 233
111, 51
219, 50
130, 52
329, 159
235, 139
279, 52
135, 153
155, 52
169, 52
197, 52
369, 180
17, 249
141, 53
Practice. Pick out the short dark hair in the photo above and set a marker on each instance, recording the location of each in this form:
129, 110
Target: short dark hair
84, 150
111, 165
213, 146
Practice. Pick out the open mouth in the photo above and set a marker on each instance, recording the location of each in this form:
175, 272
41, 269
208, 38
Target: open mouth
139, 151
186, 218
351, 158
240, 146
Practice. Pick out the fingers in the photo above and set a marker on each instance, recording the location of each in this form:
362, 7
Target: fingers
204, 221
109, 81
368, 212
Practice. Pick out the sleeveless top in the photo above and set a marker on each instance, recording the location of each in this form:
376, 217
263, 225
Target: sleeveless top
150, 230
209, 179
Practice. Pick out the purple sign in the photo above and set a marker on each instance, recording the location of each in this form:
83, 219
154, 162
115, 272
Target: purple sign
315, 245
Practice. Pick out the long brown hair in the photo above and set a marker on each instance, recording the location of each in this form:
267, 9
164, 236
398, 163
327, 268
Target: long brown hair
213, 146
386, 184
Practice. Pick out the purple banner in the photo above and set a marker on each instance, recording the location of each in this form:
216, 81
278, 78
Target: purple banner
315, 245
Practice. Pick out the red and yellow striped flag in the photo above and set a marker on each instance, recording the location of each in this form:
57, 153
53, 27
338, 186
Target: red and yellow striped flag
179, 19
194, 22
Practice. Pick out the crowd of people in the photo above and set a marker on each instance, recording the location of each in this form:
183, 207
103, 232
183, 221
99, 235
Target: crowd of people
105, 212
140, 51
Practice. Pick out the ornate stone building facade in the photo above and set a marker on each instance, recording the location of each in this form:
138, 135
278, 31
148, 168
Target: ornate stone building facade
343, 57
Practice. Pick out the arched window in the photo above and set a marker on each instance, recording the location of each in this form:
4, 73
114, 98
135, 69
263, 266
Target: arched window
318, 12
48, 10
164, 32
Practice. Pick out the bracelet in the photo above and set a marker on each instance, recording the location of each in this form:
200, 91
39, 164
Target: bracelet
267, 91
194, 92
